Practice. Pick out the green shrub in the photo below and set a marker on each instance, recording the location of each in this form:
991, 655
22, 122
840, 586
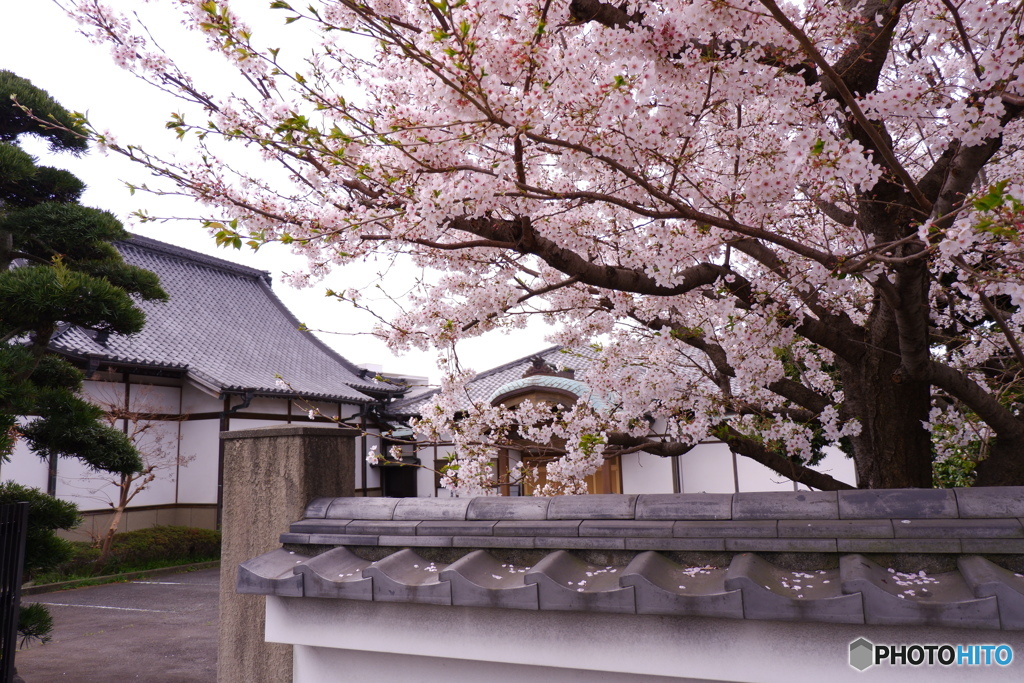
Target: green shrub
163, 543
159, 546
43, 549
34, 623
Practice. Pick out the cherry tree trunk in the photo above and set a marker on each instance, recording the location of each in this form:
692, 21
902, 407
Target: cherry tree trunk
893, 449
1004, 465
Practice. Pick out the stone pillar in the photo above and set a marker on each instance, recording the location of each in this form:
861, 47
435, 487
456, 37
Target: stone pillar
270, 474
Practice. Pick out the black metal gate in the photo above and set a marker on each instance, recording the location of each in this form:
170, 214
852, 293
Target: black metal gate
13, 529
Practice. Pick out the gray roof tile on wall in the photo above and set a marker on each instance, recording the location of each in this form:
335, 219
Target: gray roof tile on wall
517, 542
835, 528
579, 543
898, 503
407, 577
626, 527
290, 537
964, 528
755, 528
1006, 501
225, 328
377, 527
416, 541
1002, 546
601, 506
781, 545
785, 505
900, 545
479, 580
990, 580
506, 508
979, 594
770, 592
317, 508
517, 527
432, 508
319, 526
676, 544
338, 573
663, 587
342, 539
567, 583
892, 597
271, 574
362, 508
691, 506
455, 528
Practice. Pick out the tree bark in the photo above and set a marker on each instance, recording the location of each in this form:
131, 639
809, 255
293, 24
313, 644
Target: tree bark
893, 449
1004, 466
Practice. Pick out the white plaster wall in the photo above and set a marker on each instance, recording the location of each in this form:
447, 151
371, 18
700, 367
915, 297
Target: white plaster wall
152, 398
91, 490
197, 481
425, 482
25, 467
105, 393
371, 440
328, 665
754, 476
560, 645
707, 469
646, 473
372, 473
239, 423
195, 400
326, 408
160, 447
838, 466
359, 464
274, 406
82, 486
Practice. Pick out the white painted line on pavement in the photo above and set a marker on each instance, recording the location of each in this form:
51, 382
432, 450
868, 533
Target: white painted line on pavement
124, 609
164, 583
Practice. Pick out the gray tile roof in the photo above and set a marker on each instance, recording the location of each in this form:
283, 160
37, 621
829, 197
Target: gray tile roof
481, 387
224, 328
627, 554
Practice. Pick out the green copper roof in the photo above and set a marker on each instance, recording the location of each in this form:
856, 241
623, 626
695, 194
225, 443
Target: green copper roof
573, 386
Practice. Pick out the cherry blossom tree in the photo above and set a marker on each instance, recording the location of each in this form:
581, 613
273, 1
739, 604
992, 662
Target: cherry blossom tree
153, 435
784, 225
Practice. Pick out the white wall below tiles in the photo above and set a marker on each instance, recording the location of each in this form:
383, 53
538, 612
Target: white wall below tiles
646, 473
25, 467
345, 640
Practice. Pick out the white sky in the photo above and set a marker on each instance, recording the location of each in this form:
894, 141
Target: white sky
41, 44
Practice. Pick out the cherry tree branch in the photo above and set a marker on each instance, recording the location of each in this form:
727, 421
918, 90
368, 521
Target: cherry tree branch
882, 146
756, 451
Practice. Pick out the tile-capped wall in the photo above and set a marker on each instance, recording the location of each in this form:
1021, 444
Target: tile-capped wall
646, 530
867, 521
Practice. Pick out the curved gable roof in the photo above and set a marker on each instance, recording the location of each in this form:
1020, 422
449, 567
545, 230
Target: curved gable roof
540, 382
225, 328
487, 382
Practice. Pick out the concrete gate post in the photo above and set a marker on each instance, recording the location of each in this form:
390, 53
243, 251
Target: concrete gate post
269, 476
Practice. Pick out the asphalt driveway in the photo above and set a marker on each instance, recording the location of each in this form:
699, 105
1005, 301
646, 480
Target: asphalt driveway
162, 629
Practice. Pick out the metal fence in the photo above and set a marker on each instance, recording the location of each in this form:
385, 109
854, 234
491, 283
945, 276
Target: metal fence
13, 529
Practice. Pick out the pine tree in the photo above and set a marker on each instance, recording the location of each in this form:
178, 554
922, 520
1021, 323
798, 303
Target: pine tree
57, 267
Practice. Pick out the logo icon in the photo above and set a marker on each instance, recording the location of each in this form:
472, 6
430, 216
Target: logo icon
862, 654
